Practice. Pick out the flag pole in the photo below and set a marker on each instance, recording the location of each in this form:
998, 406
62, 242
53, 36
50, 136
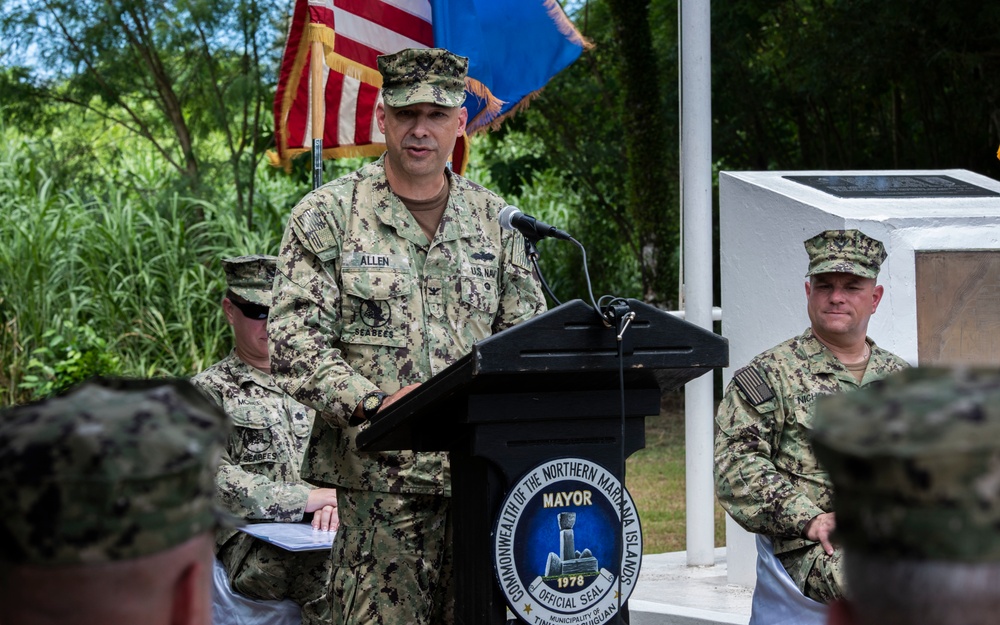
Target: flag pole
318, 111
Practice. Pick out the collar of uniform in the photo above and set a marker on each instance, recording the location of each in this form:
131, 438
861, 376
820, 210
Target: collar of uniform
454, 229
243, 373
821, 359
393, 212
389, 209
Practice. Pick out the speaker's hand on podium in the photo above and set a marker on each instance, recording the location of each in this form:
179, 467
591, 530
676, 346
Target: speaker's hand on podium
380, 401
391, 399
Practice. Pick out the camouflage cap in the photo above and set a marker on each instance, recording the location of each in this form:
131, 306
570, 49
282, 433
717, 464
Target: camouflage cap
418, 75
845, 251
251, 277
112, 470
915, 464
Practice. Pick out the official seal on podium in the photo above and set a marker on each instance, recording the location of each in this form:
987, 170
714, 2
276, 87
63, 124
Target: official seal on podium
567, 544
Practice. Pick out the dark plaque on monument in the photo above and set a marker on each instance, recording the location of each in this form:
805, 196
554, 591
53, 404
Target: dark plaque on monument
893, 186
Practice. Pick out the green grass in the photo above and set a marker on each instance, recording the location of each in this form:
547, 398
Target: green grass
655, 479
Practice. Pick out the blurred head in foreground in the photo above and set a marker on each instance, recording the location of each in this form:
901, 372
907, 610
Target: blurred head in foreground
107, 504
915, 464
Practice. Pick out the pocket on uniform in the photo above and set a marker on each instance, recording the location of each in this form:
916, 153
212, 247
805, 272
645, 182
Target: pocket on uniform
352, 547
256, 445
252, 414
374, 307
254, 425
350, 577
480, 293
301, 417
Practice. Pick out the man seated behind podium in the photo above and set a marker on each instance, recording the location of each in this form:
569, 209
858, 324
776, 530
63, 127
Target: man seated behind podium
386, 276
766, 474
260, 476
107, 506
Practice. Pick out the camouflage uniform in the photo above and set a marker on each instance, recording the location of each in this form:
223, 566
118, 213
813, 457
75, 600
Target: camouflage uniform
363, 303
915, 462
915, 465
113, 470
259, 479
766, 475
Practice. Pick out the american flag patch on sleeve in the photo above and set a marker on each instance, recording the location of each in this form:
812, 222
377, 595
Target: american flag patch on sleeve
753, 386
315, 229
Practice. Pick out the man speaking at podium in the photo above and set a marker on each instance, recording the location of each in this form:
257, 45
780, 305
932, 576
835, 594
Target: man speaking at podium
385, 277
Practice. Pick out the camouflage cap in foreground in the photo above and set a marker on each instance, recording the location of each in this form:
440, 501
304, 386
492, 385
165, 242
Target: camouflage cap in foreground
915, 464
251, 277
845, 251
417, 75
112, 470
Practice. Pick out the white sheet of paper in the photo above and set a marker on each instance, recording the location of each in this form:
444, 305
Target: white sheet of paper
291, 536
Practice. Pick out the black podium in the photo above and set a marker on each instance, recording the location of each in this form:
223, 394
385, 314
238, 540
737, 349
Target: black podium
552, 387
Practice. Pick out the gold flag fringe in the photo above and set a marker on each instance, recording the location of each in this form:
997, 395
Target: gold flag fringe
347, 151
490, 118
491, 109
291, 90
487, 119
338, 63
325, 35
525, 102
565, 26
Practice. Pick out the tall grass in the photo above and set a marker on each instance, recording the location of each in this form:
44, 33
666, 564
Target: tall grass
112, 271
113, 280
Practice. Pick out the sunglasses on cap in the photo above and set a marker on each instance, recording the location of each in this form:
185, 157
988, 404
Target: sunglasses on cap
250, 310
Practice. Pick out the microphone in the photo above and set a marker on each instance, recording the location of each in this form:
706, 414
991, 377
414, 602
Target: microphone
511, 218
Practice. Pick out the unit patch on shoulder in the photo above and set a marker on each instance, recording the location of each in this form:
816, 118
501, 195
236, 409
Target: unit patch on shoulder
315, 229
753, 386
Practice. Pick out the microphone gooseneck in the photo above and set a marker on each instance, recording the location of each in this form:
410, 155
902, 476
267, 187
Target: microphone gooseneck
511, 218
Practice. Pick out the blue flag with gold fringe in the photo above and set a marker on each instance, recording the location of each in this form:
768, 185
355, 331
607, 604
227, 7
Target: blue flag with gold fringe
514, 47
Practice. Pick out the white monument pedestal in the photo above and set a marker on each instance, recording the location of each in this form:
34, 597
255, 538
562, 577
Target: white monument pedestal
941, 230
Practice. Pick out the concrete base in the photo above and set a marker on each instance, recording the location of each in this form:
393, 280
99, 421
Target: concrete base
669, 592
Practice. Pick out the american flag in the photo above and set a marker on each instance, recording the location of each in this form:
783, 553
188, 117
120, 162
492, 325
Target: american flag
355, 32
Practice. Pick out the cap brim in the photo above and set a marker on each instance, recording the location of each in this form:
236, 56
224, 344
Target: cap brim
841, 266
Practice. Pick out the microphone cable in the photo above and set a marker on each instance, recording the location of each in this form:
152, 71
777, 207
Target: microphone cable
618, 315
531, 250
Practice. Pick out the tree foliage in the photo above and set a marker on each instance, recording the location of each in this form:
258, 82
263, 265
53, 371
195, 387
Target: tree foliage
652, 171
610, 162
797, 85
179, 74
122, 120
96, 278
857, 84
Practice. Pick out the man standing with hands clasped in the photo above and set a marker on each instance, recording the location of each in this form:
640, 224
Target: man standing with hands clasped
767, 476
386, 276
